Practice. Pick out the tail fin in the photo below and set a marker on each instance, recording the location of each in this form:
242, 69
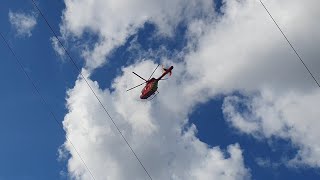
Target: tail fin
164, 70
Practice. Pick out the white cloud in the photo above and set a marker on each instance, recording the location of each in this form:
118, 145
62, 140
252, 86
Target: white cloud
57, 47
23, 23
245, 52
292, 116
239, 51
154, 129
114, 20
267, 163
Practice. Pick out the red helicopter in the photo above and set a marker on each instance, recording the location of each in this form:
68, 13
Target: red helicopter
152, 83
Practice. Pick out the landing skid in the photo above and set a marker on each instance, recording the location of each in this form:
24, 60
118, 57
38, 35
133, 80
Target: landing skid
155, 94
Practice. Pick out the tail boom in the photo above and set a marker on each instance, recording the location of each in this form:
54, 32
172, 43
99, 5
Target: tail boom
166, 71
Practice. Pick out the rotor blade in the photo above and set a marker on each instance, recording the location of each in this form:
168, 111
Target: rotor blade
139, 76
154, 71
136, 86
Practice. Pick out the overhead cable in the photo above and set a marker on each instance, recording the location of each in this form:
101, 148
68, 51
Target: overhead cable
44, 102
290, 44
90, 87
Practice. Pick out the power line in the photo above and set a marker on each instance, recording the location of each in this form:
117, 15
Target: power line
290, 44
85, 79
44, 102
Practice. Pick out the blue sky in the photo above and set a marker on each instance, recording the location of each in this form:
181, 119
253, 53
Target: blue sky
31, 138
29, 135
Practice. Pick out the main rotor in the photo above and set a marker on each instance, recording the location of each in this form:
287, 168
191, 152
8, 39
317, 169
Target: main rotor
165, 72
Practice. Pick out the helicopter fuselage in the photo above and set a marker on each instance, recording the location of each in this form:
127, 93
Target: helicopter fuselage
149, 89
152, 84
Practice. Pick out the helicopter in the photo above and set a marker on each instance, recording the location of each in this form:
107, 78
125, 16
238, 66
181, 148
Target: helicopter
151, 86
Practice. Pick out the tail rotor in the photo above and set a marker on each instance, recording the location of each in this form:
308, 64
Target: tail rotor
165, 70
